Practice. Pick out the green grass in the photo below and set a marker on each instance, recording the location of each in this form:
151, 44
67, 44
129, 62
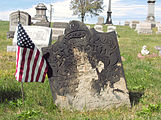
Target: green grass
143, 81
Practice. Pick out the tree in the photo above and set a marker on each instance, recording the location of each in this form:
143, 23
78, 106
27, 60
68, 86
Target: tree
86, 7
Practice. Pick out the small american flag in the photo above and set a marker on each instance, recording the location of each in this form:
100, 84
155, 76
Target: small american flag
30, 65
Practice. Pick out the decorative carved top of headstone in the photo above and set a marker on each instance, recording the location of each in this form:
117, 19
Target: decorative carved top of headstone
85, 69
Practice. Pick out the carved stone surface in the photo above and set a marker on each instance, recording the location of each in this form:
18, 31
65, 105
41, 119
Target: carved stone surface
85, 69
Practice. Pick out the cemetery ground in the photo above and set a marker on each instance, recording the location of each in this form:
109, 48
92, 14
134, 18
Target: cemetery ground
143, 81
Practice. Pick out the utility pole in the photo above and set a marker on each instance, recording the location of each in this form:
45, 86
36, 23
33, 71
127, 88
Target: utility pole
50, 13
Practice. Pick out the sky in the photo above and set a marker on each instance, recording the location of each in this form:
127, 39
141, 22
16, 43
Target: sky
122, 10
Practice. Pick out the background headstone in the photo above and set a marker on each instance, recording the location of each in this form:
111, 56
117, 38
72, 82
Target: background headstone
98, 28
100, 20
41, 37
133, 24
111, 28
85, 69
127, 23
158, 29
25, 19
58, 29
144, 28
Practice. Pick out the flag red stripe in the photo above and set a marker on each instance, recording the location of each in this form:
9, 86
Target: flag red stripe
34, 65
18, 52
44, 75
22, 64
28, 65
39, 70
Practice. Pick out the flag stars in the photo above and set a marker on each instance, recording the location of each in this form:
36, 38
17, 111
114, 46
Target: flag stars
23, 38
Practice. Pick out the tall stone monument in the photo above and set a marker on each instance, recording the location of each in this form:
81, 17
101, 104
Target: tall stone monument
85, 69
109, 12
151, 9
40, 17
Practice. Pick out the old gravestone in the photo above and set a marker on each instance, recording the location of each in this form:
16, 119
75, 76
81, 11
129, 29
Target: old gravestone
85, 69
41, 37
144, 28
100, 20
25, 19
133, 24
98, 28
58, 29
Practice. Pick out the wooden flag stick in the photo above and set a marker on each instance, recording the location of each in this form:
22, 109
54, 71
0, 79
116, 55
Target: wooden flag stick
22, 91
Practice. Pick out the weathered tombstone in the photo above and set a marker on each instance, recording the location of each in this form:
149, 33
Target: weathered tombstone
127, 23
58, 29
85, 69
98, 28
100, 20
41, 37
25, 19
111, 28
144, 28
133, 24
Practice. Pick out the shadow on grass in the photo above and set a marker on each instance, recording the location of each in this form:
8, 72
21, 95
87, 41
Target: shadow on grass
9, 94
135, 97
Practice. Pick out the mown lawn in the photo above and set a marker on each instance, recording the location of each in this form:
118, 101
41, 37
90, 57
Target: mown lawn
143, 81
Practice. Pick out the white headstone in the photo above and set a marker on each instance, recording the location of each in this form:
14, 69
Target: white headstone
159, 29
100, 20
98, 28
111, 28
144, 28
127, 23
133, 24
41, 36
